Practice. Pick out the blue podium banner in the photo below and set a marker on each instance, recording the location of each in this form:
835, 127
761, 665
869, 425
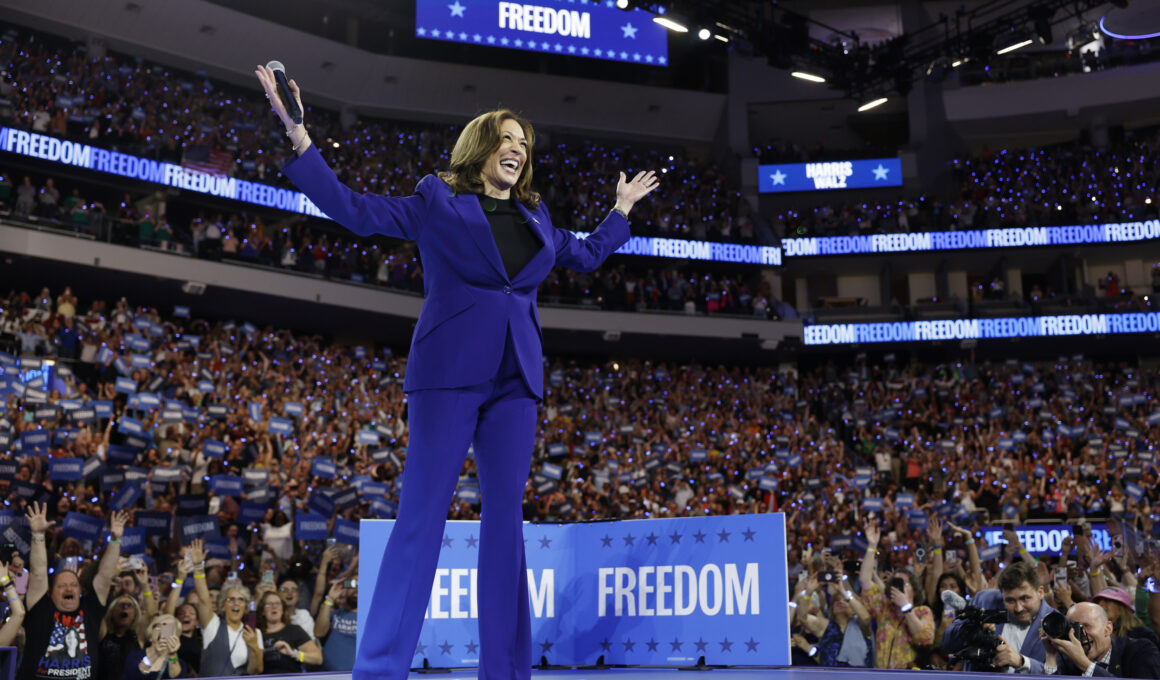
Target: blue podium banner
595, 29
864, 174
651, 592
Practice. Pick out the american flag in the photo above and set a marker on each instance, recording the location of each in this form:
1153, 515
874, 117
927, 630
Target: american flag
202, 158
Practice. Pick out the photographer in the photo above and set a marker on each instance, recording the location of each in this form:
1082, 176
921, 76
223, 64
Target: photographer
1022, 595
1093, 651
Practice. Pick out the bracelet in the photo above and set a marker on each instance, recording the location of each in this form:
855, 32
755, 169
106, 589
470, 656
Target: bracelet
970, 541
4, 580
906, 607
620, 212
38, 538
938, 551
1094, 574
328, 602
174, 659
872, 551
301, 656
146, 662
147, 593
201, 575
114, 540
178, 581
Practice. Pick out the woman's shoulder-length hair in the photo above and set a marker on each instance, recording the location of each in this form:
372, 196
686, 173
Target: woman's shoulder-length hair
478, 141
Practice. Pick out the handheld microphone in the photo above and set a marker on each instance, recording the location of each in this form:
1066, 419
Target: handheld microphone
953, 601
288, 99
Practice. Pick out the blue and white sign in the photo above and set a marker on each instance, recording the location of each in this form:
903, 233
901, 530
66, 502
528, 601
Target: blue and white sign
1046, 539
595, 29
982, 329
1013, 237
652, 592
862, 174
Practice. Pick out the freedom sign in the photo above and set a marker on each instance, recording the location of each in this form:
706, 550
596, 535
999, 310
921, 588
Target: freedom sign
642, 592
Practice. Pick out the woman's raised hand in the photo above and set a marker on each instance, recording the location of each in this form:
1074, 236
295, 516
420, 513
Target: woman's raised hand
270, 85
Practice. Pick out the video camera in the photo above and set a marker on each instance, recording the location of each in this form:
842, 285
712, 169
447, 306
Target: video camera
979, 643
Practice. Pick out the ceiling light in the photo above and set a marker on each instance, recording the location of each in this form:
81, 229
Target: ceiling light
872, 104
808, 76
704, 34
721, 38
622, 4
671, 25
1015, 46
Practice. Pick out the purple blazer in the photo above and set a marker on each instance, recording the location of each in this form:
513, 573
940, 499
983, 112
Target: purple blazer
471, 303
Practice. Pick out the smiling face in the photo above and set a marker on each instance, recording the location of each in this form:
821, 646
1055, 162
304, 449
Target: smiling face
235, 603
501, 170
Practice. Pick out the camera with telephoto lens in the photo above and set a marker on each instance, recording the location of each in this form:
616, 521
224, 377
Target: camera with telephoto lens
1057, 625
979, 643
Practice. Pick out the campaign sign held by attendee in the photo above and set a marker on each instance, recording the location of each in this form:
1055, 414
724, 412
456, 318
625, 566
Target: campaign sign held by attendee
346, 531
82, 527
125, 497
199, 526
133, 541
249, 512
167, 475
65, 469
214, 449
190, 505
312, 527
323, 466
154, 523
280, 426
227, 485
650, 592
321, 503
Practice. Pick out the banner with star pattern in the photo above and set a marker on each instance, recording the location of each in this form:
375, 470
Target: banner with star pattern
642, 592
864, 174
594, 29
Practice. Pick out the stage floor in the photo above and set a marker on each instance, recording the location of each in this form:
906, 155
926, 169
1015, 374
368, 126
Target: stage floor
652, 673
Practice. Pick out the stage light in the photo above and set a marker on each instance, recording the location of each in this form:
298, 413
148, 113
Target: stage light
671, 24
808, 76
1018, 44
622, 4
721, 38
704, 34
874, 103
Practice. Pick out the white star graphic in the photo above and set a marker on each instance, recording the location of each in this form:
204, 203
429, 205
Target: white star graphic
584, 50
648, 58
598, 52
558, 47
477, 37
463, 36
880, 172
456, 9
435, 32
421, 31
660, 60
636, 56
518, 42
504, 41
491, 39
571, 49
624, 55
545, 45
629, 31
778, 177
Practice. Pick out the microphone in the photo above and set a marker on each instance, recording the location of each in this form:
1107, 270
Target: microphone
288, 99
953, 600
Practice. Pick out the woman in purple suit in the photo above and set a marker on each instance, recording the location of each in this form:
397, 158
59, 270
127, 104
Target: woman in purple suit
475, 371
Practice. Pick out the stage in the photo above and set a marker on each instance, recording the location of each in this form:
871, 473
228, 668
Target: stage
655, 673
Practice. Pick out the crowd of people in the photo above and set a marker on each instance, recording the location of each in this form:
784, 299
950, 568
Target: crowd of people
178, 405
54, 87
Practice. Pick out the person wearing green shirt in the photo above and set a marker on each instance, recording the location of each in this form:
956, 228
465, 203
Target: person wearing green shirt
145, 232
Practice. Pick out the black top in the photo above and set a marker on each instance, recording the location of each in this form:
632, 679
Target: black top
277, 663
62, 645
514, 238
